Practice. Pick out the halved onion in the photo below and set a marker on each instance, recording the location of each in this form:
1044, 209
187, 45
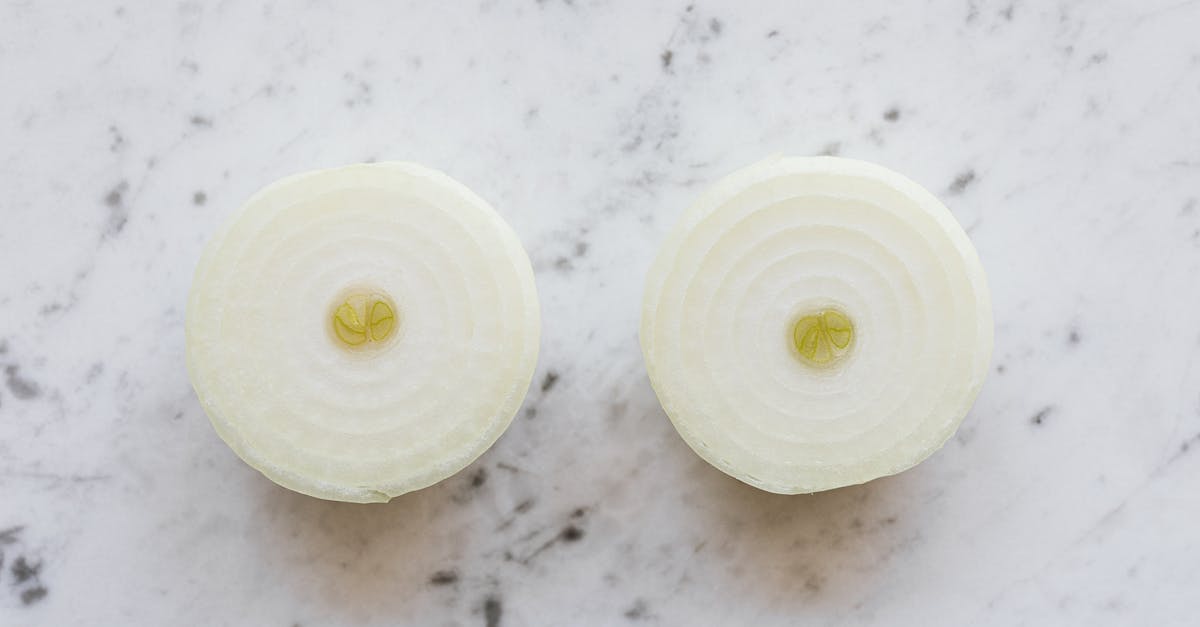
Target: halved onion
813, 323
361, 332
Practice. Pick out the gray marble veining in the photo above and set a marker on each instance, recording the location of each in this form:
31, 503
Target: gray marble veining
1064, 136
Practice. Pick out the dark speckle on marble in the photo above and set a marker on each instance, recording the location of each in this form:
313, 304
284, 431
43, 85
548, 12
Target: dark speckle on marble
200, 121
666, 58
10, 535
524, 506
617, 410
443, 577
715, 26
115, 195
23, 571
94, 372
638, 610
21, 387
1073, 337
3, 347
892, 115
493, 611
471, 486
570, 533
33, 595
832, 149
116, 139
361, 91
1000, 369
199, 198
118, 213
962, 182
1007, 13
1098, 58
1042, 414
633, 144
772, 34
814, 583
549, 381
479, 478
875, 136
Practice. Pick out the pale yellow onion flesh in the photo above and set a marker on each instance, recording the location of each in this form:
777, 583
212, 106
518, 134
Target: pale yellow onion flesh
366, 423
793, 237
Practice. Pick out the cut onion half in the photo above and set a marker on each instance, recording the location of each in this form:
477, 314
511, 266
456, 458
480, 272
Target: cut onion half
361, 332
812, 323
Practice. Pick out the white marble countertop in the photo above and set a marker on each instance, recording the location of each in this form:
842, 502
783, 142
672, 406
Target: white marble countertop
1065, 136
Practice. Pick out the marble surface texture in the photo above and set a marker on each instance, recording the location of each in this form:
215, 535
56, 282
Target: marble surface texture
1064, 135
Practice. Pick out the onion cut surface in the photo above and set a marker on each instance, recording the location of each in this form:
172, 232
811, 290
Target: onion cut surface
361, 332
817, 322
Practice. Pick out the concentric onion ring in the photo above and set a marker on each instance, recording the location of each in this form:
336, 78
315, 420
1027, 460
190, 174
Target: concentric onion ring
361, 332
813, 323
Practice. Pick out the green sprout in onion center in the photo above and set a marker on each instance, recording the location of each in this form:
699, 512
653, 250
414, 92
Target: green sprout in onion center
823, 337
363, 319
